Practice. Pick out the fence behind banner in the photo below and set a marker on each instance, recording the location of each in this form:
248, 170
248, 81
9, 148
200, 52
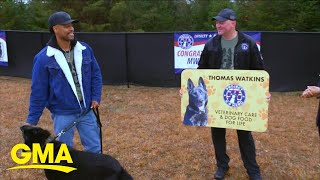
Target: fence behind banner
291, 59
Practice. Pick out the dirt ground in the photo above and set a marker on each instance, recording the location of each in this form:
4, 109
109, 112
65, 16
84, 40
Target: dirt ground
143, 130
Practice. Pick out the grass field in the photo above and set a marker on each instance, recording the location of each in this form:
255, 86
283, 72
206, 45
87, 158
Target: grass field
143, 130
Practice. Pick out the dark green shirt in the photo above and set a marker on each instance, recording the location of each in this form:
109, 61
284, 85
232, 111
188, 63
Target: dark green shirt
228, 52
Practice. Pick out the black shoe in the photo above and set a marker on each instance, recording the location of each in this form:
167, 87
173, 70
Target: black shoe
220, 173
255, 177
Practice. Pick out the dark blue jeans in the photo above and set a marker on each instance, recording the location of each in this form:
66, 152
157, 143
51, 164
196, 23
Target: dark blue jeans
246, 145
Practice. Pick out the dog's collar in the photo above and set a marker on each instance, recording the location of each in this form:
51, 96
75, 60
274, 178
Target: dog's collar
50, 139
197, 111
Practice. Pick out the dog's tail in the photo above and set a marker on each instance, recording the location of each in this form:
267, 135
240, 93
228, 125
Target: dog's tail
124, 175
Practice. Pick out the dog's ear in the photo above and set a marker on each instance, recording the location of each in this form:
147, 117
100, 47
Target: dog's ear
190, 84
202, 84
25, 127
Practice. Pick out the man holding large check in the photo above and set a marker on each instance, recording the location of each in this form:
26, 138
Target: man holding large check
220, 100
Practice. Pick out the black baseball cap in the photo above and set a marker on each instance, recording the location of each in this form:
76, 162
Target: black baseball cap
225, 14
60, 17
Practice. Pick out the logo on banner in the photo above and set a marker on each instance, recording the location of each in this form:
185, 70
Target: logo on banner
185, 41
234, 95
244, 46
0, 50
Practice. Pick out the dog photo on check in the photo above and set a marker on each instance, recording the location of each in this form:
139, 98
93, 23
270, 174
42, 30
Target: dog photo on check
89, 165
197, 112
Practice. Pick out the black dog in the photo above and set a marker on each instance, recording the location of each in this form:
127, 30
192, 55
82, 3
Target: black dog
197, 111
89, 165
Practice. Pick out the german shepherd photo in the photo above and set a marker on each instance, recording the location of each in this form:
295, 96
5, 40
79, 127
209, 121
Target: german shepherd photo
197, 112
89, 165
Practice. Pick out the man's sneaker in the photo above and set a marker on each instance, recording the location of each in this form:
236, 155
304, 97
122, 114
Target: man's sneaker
219, 174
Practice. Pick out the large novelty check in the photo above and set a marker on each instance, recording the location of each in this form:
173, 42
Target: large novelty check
235, 99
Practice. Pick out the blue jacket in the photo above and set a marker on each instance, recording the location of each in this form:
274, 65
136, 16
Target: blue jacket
53, 86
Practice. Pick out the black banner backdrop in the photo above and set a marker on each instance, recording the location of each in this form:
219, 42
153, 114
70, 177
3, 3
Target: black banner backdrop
291, 59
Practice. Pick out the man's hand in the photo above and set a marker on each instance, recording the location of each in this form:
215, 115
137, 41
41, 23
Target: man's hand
94, 104
180, 93
311, 91
29, 124
268, 97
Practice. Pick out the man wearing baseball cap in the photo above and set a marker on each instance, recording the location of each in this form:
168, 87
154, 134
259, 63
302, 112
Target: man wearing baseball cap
232, 49
66, 79
61, 18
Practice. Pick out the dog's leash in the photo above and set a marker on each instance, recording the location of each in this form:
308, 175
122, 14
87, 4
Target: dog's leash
52, 138
96, 113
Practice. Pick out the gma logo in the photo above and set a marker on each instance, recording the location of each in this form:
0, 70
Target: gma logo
47, 154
